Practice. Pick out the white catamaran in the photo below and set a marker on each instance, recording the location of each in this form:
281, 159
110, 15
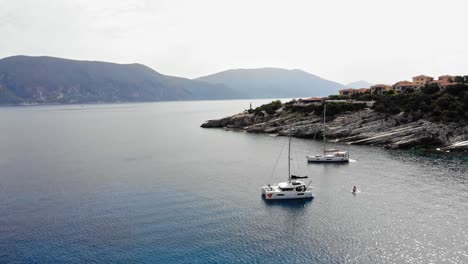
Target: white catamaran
328, 155
291, 189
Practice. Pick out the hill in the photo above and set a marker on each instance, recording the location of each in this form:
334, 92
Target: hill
25, 79
274, 83
359, 84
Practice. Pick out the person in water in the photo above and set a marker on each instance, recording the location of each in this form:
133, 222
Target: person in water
354, 189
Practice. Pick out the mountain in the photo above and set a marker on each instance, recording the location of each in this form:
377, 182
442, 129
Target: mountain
358, 84
25, 79
274, 83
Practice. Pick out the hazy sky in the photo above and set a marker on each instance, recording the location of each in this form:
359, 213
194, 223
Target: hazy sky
341, 40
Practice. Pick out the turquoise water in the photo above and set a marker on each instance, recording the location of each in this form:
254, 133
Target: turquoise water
143, 183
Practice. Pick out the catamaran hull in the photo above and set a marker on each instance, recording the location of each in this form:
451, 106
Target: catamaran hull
327, 160
284, 196
273, 193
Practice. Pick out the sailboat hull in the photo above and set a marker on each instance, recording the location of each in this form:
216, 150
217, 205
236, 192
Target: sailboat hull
330, 155
286, 191
288, 195
325, 159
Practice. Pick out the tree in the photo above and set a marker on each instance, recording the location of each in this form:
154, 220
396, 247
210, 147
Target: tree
269, 108
443, 102
430, 89
457, 89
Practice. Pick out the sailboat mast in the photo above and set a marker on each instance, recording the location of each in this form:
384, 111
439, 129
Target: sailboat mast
289, 157
324, 125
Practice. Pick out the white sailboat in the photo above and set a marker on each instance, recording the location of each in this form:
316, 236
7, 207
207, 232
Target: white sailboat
328, 155
291, 189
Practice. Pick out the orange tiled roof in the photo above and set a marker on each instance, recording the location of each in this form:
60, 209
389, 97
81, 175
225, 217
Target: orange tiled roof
422, 76
410, 84
402, 82
381, 85
348, 90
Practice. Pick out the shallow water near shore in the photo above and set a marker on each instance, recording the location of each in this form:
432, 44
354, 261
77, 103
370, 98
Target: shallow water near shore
143, 183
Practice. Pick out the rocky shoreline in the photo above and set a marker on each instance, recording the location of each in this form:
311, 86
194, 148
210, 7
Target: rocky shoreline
364, 127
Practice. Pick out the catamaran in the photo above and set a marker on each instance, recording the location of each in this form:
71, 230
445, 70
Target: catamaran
328, 155
291, 189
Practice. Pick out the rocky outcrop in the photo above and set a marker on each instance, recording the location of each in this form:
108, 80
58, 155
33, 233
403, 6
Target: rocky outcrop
365, 127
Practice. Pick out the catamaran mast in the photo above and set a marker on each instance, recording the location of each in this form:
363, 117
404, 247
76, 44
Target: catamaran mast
289, 157
324, 125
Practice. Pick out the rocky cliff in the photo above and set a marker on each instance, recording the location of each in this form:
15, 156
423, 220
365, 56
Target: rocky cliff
365, 127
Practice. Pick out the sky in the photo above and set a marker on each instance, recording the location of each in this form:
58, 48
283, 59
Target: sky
380, 41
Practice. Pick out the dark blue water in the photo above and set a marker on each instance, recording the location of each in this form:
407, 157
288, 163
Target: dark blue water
142, 183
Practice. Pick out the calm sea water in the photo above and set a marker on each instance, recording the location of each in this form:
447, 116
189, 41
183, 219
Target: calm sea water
143, 183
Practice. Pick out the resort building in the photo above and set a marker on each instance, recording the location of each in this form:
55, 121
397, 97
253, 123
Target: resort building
380, 88
442, 84
444, 81
348, 92
363, 90
421, 80
405, 87
447, 78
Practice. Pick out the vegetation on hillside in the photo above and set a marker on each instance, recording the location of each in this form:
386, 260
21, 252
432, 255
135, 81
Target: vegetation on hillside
333, 108
431, 103
269, 108
449, 105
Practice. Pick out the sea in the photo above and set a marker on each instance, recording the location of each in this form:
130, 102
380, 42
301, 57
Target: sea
143, 183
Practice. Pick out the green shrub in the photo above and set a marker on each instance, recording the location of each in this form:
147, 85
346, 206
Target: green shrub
269, 108
333, 108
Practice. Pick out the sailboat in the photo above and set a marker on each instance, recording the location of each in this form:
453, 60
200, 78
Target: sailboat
328, 155
291, 189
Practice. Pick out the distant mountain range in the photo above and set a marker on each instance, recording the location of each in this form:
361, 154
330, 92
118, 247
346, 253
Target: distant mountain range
274, 83
25, 79
53, 80
359, 84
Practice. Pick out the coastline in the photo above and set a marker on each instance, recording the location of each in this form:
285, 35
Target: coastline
363, 127
134, 102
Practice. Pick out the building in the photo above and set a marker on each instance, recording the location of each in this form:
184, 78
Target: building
442, 84
405, 86
348, 92
447, 84
421, 80
447, 78
363, 90
380, 88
